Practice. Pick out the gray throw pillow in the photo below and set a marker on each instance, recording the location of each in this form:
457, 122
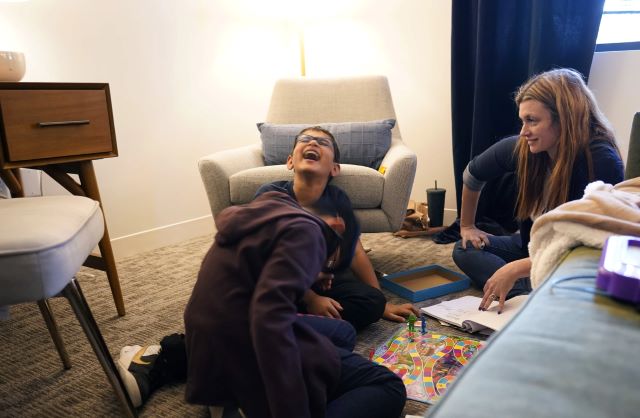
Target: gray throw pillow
360, 143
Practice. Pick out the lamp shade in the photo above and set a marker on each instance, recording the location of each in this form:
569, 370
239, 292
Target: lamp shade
12, 66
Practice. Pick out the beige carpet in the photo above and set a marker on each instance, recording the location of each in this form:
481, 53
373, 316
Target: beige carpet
156, 286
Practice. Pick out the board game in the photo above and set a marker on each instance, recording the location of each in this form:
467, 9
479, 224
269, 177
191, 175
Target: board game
427, 363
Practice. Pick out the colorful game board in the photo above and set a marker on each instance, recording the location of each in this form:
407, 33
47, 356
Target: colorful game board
427, 363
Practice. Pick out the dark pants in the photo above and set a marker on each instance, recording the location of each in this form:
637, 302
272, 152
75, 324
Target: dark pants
174, 351
480, 265
365, 389
362, 304
341, 333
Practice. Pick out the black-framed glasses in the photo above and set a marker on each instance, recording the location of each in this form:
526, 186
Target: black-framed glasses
323, 142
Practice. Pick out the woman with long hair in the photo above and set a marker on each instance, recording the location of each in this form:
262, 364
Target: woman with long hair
564, 144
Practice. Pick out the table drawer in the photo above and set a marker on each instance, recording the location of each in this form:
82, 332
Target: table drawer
45, 124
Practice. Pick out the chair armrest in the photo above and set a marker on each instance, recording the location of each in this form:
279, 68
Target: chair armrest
215, 170
400, 163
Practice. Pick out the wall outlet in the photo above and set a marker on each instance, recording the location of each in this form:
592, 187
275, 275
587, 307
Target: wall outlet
32, 182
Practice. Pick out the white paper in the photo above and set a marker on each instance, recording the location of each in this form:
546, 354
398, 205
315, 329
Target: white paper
463, 312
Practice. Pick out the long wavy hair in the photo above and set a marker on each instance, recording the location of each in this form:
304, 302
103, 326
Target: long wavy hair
575, 111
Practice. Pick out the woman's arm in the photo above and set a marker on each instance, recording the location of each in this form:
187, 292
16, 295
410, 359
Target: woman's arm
468, 231
495, 161
503, 280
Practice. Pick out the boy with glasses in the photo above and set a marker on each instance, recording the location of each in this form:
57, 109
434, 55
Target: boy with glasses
355, 295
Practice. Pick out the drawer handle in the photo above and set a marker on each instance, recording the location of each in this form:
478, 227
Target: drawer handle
63, 123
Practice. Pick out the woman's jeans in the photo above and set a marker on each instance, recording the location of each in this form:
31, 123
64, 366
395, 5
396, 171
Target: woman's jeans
480, 265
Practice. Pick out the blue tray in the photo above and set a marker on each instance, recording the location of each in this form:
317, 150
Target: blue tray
425, 282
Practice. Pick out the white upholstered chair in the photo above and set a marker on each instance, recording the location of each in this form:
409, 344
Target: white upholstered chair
380, 199
43, 243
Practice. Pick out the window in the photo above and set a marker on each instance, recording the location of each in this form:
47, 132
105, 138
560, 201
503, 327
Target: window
620, 26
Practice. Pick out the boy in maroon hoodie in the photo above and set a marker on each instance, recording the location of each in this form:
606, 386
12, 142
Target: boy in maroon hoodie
245, 343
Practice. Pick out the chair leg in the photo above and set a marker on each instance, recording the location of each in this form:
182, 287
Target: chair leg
74, 294
50, 320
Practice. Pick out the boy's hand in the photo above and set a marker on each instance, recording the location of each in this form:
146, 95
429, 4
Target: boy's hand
322, 305
399, 313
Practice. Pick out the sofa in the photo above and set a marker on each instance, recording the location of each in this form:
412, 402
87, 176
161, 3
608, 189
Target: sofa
567, 353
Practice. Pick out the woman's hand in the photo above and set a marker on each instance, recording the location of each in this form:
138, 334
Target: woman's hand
474, 236
502, 281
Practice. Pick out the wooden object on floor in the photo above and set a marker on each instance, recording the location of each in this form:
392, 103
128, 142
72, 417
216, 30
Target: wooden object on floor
60, 128
431, 230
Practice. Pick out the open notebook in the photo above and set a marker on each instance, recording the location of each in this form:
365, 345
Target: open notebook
463, 313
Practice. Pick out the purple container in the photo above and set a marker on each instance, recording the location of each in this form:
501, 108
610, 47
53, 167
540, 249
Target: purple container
619, 269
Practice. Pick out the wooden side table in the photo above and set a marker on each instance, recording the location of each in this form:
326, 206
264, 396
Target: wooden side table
60, 128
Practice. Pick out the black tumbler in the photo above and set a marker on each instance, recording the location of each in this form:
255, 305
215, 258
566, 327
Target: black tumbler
435, 206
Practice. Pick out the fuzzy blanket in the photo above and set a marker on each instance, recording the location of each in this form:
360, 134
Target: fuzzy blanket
604, 210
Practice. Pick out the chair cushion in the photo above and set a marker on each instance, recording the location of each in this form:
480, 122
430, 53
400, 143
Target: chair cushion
360, 143
43, 242
363, 185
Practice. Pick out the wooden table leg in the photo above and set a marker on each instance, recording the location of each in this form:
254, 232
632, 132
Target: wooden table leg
90, 186
64, 180
13, 180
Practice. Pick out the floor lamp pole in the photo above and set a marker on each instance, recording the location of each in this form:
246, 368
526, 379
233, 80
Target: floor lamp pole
303, 65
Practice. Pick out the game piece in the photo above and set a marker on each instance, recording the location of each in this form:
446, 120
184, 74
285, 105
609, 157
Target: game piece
411, 322
423, 323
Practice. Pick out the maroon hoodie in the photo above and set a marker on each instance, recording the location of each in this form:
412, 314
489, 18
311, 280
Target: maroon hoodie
243, 344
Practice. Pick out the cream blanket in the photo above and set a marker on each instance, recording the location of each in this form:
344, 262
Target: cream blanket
604, 210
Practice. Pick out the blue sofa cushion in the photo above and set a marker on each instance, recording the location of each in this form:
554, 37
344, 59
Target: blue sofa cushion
361, 143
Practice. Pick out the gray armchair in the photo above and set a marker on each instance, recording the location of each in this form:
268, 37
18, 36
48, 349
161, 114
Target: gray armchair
380, 200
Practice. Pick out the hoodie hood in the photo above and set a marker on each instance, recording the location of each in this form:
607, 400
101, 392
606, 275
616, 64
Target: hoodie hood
236, 222
333, 202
